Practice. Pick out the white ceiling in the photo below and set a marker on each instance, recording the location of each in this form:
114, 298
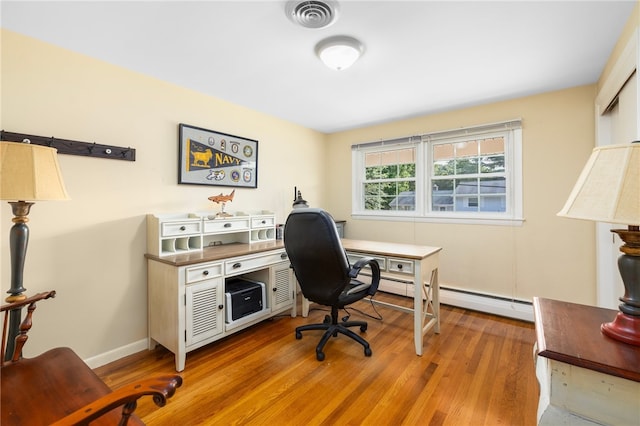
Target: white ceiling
421, 56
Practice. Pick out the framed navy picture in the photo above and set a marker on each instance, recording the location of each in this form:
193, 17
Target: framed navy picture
207, 157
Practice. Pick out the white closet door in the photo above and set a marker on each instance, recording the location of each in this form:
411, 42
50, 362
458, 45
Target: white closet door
618, 125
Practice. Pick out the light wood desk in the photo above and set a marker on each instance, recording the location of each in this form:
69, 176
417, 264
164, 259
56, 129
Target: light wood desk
404, 261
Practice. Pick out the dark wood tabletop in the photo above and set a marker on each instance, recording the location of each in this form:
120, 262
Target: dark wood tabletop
570, 333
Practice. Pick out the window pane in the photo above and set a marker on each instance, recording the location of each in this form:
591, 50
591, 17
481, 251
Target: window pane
467, 149
492, 146
493, 186
372, 172
443, 152
444, 168
407, 170
493, 203
492, 164
467, 166
442, 195
466, 186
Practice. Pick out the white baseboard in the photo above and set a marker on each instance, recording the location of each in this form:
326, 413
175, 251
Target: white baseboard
518, 309
116, 354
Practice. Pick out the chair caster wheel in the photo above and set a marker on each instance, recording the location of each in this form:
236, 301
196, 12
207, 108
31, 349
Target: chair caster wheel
320, 356
363, 328
367, 352
298, 335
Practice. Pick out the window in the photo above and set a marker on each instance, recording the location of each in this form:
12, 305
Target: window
390, 179
471, 174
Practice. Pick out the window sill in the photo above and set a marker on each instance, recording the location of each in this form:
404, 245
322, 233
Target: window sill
465, 220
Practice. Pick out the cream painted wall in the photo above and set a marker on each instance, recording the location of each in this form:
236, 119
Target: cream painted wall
547, 256
90, 249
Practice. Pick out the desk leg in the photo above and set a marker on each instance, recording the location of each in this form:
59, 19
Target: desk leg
418, 314
305, 307
426, 301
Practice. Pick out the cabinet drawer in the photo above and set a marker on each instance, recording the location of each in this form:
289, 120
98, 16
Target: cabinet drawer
353, 258
174, 229
233, 267
225, 225
263, 222
203, 272
401, 266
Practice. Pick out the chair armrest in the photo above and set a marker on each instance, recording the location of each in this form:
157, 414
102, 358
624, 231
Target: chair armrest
160, 388
375, 272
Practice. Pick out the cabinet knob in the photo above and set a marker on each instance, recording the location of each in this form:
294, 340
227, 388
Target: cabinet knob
237, 265
227, 225
205, 273
283, 255
264, 222
399, 266
274, 289
220, 306
182, 228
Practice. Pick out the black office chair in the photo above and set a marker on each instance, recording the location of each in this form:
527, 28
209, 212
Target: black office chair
324, 273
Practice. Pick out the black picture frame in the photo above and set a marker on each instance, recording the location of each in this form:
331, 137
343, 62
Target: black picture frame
207, 157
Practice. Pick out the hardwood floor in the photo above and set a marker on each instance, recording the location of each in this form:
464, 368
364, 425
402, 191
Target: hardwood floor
477, 371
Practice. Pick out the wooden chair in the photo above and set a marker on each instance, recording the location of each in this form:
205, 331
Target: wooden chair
58, 388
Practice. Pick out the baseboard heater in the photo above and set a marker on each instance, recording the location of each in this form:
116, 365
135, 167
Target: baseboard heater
492, 304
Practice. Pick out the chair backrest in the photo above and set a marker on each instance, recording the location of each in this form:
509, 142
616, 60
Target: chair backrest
13, 340
316, 254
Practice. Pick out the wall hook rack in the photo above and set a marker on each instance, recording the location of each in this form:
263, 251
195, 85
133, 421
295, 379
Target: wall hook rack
66, 146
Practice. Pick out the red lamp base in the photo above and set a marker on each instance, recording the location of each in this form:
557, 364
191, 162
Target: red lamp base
625, 328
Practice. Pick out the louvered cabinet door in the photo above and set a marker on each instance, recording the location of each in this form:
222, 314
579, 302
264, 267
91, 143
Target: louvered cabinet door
204, 310
282, 287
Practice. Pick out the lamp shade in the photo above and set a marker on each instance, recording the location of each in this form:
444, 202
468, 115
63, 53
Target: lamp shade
608, 189
30, 173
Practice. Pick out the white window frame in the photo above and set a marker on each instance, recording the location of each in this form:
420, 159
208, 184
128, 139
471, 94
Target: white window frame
512, 132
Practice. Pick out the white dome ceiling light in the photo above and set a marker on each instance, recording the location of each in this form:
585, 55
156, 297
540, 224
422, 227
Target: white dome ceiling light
312, 14
339, 52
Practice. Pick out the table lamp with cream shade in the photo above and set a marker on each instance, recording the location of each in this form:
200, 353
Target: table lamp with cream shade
608, 190
28, 173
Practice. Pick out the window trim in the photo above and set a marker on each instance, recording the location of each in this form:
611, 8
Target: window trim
513, 156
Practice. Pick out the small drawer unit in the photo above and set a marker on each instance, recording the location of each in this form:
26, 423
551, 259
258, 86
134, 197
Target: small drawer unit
263, 228
173, 234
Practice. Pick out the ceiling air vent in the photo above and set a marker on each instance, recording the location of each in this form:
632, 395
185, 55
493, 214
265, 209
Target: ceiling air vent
312, 14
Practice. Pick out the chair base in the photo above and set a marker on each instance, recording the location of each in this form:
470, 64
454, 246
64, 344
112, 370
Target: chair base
332, 327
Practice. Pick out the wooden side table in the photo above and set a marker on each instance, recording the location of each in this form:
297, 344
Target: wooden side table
585, 377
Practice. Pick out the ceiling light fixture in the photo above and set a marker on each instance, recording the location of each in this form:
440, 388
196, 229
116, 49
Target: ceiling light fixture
339, 52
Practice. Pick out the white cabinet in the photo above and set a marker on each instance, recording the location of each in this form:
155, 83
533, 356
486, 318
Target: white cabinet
186, 289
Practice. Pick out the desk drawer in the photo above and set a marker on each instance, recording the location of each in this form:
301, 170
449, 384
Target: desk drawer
176, 229
203, 272
225, 225
263, 222
400, 266
353, 258
239, 265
